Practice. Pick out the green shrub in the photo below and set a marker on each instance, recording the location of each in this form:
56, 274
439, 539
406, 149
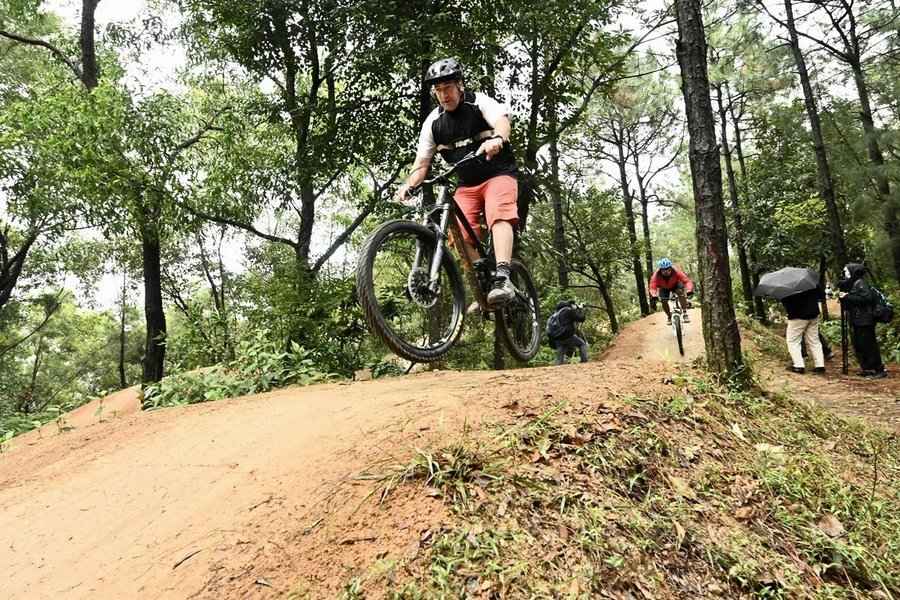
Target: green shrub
259, 367
889, 335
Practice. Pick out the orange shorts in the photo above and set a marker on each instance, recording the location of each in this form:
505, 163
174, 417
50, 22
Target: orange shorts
495, 198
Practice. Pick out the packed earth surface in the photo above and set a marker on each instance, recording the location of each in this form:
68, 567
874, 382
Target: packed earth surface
279, 494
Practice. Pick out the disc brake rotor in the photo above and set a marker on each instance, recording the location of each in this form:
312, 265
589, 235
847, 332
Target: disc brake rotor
417, 285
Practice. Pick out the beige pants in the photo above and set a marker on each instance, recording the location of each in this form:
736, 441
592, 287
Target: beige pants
804, 329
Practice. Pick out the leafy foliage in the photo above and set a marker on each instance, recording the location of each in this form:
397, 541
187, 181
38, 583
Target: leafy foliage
259, 367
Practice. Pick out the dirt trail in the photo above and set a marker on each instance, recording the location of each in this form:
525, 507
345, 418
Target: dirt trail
259, 497
106, 511
109, 507
651, 339
120, 404
876, 401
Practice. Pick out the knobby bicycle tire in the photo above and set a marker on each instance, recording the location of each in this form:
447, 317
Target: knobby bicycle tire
365, 286
679, 334
507, 321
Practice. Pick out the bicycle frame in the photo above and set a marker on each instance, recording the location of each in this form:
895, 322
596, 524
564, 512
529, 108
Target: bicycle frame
444, 225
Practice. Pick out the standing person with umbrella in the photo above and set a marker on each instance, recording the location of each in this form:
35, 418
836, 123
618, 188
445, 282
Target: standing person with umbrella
800, 293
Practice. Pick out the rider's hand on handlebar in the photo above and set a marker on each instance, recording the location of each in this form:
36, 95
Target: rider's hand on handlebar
490, 147
403, 195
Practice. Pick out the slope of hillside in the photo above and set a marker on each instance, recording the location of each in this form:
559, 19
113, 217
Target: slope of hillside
361, 488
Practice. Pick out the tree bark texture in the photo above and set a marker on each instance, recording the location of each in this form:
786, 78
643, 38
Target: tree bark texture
873, 149
89, 71
155, 346
645, 215
826, 182
529, 184
559, 231
607, 298
226, 326
11, 267
759, 309
424, 110
123, 382
720, 328
743, 264
823, 271
628, 201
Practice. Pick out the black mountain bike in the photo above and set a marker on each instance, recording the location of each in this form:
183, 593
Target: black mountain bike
411, 290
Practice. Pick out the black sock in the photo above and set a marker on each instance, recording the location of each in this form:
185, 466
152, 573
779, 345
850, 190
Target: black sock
503, 269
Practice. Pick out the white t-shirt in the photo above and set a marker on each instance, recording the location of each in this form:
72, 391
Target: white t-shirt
491, 110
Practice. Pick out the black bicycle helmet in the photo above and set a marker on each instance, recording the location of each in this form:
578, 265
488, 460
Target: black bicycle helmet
446, 69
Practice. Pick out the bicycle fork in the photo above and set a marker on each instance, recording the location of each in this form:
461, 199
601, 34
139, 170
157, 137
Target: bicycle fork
434, 282
434, 269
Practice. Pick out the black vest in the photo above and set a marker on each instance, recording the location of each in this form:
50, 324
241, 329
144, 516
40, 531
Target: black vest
462, 131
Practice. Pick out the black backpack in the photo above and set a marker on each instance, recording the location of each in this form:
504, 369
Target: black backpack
884, 310
556, 331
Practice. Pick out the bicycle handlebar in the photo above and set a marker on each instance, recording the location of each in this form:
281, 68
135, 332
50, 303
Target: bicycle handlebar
442, 177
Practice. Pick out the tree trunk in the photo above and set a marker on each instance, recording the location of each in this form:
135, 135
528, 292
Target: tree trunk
873, 149
11, 268
826, 182
155, 347
645, 217
123, 382
424, 110
720, 328
89, 71
632, 233
743, 264
559, 232
607, 299
27, 401
527, 191
823, 270
759, 309
307, 221
223, 292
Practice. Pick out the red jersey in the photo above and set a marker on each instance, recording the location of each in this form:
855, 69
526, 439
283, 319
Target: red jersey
658, 282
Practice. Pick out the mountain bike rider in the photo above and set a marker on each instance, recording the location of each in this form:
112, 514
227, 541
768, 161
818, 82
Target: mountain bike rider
668, 279
465, 122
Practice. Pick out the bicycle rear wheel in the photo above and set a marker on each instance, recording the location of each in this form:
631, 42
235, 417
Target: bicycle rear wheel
400, 307
679, 334
519, 319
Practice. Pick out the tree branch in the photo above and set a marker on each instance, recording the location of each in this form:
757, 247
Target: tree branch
341, 239
44, 44
47, 316
237, 224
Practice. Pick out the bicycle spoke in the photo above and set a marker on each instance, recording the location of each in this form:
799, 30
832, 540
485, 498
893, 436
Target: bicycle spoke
412, 311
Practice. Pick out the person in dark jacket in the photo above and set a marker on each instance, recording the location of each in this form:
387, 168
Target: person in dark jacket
569, 314
858, 300
803, 325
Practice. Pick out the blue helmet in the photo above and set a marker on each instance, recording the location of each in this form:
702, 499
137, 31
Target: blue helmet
664, 263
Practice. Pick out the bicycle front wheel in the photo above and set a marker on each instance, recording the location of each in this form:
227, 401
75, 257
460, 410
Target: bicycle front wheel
416, 320
679, 333
519, 319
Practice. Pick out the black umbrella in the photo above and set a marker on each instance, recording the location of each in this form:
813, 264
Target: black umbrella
786, 282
